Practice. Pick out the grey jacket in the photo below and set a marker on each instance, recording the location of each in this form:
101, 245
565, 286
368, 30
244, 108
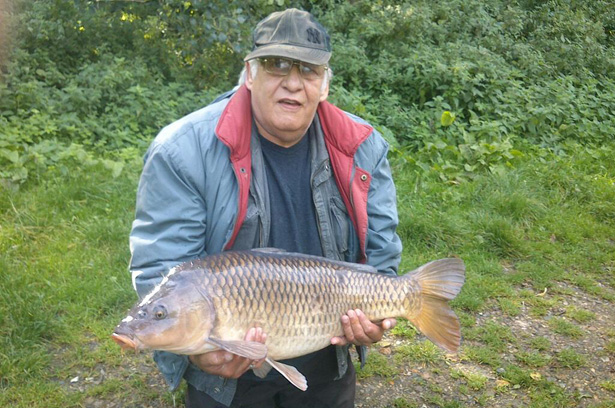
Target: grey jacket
189, 205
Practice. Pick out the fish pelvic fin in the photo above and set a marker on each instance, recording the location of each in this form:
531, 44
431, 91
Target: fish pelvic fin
439, 281
263, 370
248, 349
290, 373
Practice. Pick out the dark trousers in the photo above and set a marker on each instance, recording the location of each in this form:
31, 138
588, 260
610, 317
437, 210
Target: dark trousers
279, 393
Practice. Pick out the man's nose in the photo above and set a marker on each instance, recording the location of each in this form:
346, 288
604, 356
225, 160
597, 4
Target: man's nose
293, 81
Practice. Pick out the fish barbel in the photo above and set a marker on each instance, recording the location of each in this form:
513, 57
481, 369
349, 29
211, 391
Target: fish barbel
211, 303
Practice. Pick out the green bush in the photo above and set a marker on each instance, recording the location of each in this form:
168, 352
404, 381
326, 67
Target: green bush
458, 88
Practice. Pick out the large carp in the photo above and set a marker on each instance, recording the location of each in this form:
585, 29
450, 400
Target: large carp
211, 303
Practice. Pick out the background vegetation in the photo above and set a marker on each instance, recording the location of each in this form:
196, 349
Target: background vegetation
501, 119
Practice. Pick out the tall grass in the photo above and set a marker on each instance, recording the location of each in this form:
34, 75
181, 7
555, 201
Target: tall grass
64, 280
64, 253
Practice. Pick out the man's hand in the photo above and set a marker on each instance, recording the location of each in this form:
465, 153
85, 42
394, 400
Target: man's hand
359, 330
229, 365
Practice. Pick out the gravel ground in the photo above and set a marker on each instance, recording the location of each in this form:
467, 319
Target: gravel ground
432, 384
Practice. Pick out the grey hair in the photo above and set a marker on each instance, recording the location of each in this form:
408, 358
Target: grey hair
254, 64
243, 76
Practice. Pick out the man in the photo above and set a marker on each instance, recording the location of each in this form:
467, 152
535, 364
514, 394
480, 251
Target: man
270, 164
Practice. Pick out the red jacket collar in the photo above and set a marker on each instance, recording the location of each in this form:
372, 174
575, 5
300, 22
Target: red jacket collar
235, 126
343, 137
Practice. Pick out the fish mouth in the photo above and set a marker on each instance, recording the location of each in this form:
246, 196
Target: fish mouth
125, 342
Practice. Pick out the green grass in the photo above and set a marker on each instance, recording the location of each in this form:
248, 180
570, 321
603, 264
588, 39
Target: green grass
402, 403
475, 381
424, 352
570, 358
580, 315
63, 243
566, 328
540, 343
533, 359
529, 237
377, 365
608, 385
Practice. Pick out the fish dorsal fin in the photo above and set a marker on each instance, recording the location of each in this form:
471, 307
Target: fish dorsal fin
248, 349
263, 370
269, 250
290, 373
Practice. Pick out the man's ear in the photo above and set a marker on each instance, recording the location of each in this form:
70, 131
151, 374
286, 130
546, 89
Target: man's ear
249, 79
324, 93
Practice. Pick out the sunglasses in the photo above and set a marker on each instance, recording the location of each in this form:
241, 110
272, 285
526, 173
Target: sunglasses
283, 66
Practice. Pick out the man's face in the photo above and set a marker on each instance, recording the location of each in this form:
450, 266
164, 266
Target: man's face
284, 106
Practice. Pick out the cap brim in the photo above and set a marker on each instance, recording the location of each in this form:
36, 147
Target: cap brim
309, 55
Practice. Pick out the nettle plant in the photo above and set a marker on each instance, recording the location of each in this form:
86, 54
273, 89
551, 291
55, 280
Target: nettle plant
458, 89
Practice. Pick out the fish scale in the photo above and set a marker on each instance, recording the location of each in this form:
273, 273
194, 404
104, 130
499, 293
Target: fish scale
292, 287
297, 299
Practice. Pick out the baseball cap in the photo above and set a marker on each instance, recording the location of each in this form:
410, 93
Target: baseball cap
291, 34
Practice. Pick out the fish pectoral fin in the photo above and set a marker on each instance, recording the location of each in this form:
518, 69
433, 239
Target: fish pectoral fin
263, 370
290, 373
248, 349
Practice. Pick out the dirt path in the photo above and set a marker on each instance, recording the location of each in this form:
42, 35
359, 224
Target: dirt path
568, 366
557, 379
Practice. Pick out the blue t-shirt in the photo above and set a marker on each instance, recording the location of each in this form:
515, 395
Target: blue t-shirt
293, 217
294, 228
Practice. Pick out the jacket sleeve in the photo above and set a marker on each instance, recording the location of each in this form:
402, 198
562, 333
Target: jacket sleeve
168, 229
383, 246
170, 220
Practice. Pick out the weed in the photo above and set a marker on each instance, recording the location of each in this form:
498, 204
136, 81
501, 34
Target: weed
533, 359
540, 343
482, 355
540, 306
610, 347
546, 395
570, 358
463, 388
466, 320
404, 329
439, 401
496, 336
605, 404
517, 375
564, 327
474, 381
580, 315
435, 387
377, 364
510, 307
423, 352
401, 402
608, 385
484, 400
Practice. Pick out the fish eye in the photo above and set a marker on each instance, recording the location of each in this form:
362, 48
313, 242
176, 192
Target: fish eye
160, 312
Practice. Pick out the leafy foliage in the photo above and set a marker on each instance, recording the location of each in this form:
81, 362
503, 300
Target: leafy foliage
458, 88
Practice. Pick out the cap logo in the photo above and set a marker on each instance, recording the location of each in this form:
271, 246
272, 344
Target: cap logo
313, 35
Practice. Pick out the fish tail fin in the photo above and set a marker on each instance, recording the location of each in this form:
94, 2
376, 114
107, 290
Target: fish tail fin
439, 282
